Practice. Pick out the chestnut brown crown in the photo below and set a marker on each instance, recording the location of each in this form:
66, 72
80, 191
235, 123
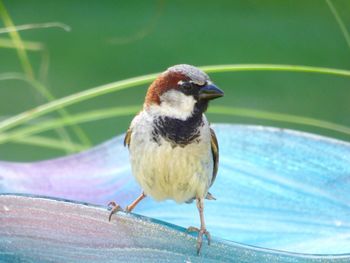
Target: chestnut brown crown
186, 79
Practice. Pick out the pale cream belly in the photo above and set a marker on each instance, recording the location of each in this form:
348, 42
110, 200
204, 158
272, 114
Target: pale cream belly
179, 173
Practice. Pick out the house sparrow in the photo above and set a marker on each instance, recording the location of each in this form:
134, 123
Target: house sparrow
173, 151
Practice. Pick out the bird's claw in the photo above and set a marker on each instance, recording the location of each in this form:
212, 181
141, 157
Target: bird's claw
114, 208
200, 232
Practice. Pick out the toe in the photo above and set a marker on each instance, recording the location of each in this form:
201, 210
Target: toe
111, 205
200, 232
110, 216
208, 236
192, 229
199, 242
114, 210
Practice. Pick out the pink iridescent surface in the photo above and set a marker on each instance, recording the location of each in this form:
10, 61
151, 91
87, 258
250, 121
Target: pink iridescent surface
277, 189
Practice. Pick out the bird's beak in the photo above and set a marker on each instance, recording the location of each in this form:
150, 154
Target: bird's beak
210, 92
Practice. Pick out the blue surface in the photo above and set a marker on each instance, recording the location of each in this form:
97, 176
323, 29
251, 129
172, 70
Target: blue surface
46, 230
276, 189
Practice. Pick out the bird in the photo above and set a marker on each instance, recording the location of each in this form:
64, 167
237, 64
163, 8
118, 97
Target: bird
173, 151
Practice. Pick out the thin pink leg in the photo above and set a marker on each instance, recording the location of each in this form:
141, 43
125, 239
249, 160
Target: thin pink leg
129, 208
202, 230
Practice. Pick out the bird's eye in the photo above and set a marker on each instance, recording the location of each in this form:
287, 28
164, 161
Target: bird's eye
186, 85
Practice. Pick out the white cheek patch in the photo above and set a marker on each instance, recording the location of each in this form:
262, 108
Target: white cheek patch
175, 104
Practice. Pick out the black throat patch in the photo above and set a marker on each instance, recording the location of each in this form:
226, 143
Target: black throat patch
178, 132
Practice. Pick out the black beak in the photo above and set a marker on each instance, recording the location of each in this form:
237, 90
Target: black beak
210, 92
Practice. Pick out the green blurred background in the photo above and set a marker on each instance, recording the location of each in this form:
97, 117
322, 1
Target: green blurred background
114, 40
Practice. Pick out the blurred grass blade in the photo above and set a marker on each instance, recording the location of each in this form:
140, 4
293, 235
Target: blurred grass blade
27, 67
35, 26
79, 118
20, 76
275, 67
131, 110
27, 45
137, 81
50, 143
340, 22
22, 54
44, 92
279, 117
73, 99
44, 66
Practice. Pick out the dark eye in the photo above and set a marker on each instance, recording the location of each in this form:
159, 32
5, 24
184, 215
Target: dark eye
186, 85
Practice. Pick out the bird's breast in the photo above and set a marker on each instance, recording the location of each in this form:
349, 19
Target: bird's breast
166, 169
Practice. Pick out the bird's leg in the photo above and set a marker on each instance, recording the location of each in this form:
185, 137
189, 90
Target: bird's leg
115, 207
130, 207
202, 230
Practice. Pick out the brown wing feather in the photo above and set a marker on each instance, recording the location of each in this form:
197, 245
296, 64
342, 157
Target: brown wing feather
215, 152
127, 138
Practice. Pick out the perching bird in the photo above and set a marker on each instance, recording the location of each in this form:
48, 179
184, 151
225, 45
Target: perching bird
173, 151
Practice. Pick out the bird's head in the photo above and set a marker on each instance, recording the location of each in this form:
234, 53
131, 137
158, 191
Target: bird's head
181, 91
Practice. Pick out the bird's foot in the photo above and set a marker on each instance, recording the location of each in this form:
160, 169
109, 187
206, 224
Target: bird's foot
201, 232
114, 207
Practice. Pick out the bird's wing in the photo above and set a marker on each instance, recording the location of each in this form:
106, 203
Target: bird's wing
127, 138
215, 152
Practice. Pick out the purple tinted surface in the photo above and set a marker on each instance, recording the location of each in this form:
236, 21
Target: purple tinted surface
275, 188
42, 230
